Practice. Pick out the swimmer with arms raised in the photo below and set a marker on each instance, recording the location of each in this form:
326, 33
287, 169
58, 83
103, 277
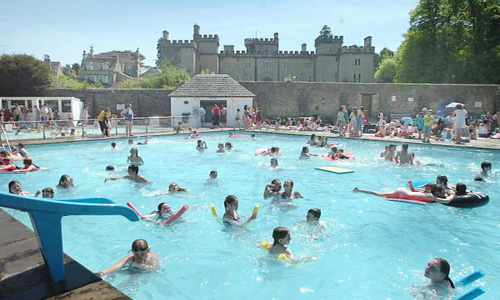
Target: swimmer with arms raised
231, 216
140, 259
134, 158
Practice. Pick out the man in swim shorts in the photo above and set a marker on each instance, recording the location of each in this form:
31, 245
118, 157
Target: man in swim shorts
273, 189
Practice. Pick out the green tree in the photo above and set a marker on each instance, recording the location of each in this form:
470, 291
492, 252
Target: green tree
23, 75
386, 52
72, 82
171, 77
451, 41
386, 71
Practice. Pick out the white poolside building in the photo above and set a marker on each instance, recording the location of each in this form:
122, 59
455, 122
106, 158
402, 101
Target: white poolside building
206, 90
61, 105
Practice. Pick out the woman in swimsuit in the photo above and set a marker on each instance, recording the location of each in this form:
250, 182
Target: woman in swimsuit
438, 271
437, 193
305, 153
231, 216
288, 191
139, 259
29, 166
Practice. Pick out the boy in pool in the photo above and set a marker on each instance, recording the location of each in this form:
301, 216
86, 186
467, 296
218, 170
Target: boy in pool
140, 259
46, 193
213, 175
132, 142
133, 174
16, 189
231, 216
174, 187
114, 145
281, 236
312, 217
274, 163
273, 189
220, 148
201, 145
65, 182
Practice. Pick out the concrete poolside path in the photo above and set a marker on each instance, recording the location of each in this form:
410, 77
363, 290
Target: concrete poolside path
480, 143
25, 275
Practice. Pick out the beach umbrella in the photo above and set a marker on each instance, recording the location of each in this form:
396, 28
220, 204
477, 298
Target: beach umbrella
452, 105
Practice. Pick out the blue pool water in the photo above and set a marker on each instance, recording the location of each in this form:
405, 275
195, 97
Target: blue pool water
372, 248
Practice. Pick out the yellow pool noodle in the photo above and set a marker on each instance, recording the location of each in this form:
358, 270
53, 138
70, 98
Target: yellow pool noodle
214, 211
255, 210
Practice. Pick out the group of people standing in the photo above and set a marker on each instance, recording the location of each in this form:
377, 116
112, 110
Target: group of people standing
351, 123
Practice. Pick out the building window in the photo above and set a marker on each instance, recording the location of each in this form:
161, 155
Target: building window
359, 61
104, 79
354, 78
359, 77
89, 66
104, 66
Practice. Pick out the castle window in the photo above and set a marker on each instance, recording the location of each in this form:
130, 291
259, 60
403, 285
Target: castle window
355, 61
337, 59
104, 66
89, 66
359, 77
104, 79
354, 78
359, 61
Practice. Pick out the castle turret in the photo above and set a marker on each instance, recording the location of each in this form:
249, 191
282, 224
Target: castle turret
196, 31
276, 36
228, 49
165, 35
46, 58
91, 50
368, 41
84, 55
304, 48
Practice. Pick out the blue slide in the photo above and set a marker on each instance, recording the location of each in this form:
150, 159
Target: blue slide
46, 217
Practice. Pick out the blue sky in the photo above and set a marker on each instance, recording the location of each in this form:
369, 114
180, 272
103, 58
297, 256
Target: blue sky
63, 29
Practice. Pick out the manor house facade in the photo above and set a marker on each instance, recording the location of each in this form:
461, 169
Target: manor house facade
263, 61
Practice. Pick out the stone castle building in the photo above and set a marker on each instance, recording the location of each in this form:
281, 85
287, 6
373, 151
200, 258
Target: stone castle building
263, 61
110, 68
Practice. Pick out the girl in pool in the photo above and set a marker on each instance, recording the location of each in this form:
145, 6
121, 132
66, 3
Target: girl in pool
288, 193
305, 153
201, 146
229, 146
164, 212
29, 166
140, 259
133, 174
65, 182
231, 216
134, 158
16, 189
436, 193
438, 271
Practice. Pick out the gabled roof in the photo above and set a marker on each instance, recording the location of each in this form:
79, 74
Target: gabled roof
211, 85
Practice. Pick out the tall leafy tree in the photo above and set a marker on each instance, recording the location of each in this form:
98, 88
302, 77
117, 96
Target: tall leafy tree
451, 41
23, 75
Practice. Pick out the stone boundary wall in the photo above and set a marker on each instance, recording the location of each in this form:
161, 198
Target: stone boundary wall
324, 99
295, 99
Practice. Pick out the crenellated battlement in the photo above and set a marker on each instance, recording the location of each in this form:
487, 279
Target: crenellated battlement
181, 43
270, 41
208, 38
357, 49
308, 54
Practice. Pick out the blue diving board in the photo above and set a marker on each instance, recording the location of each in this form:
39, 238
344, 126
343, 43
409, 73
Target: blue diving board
46, 215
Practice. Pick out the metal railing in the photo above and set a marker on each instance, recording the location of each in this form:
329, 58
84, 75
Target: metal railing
80, 128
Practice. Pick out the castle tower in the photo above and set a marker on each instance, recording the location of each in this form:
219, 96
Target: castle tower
327, 51
208, 47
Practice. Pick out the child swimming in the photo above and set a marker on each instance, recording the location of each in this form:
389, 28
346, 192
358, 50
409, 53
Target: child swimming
220, 148
134, 158
46, 193
201, 145
281, 236
313, 215
65, 182
231, 216
164, 212
16, 189
140, 259
438, 271
133, 174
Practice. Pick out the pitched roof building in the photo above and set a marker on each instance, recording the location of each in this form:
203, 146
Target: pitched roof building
110, 68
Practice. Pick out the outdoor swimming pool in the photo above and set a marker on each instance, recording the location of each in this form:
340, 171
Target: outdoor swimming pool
373, 248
